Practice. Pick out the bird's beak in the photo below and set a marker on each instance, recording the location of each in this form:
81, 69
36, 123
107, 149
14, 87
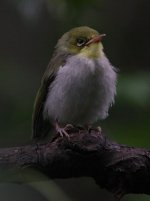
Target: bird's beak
95, 39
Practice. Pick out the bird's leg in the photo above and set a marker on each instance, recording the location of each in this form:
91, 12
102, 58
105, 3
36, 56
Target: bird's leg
89, 128
62, 131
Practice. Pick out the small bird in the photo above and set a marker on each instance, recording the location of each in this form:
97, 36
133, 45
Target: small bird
78, 86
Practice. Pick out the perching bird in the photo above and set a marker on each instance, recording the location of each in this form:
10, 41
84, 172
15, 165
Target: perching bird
78, 86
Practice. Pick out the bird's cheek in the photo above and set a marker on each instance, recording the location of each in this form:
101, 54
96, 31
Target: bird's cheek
73, 49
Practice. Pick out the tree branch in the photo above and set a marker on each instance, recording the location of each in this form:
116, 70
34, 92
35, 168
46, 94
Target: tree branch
118, 168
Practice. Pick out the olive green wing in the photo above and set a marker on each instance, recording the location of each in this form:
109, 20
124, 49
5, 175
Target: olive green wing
40, 126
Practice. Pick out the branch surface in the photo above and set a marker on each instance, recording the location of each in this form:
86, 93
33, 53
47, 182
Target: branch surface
118, 168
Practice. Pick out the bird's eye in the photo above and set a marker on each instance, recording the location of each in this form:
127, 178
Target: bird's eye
81, 41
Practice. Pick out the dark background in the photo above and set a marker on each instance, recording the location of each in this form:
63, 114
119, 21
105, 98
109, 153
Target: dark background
29, 30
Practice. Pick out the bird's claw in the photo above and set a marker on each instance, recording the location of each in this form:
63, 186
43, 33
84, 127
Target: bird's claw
99, 129
62, 132
68, 127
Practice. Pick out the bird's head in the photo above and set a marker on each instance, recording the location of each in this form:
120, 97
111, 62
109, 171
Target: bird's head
83, 41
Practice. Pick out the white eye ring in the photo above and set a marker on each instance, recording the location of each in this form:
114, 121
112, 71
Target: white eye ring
81, 42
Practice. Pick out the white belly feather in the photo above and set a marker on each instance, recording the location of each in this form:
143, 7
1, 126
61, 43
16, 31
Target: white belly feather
82, 91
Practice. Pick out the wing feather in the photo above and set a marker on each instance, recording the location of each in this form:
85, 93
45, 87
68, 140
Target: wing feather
40, 126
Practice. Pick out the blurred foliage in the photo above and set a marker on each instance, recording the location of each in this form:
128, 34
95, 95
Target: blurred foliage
29, 31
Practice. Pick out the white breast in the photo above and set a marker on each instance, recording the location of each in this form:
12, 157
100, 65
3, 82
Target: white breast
82, 91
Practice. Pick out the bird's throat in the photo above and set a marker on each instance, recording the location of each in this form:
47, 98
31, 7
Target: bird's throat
94, 51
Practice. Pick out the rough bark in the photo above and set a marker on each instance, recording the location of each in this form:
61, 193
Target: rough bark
118, 168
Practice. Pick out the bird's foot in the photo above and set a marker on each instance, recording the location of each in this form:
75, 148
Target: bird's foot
69, 127
90, 128
98, 128
63, 131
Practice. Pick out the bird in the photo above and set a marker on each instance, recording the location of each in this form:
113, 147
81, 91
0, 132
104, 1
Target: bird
78, 86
